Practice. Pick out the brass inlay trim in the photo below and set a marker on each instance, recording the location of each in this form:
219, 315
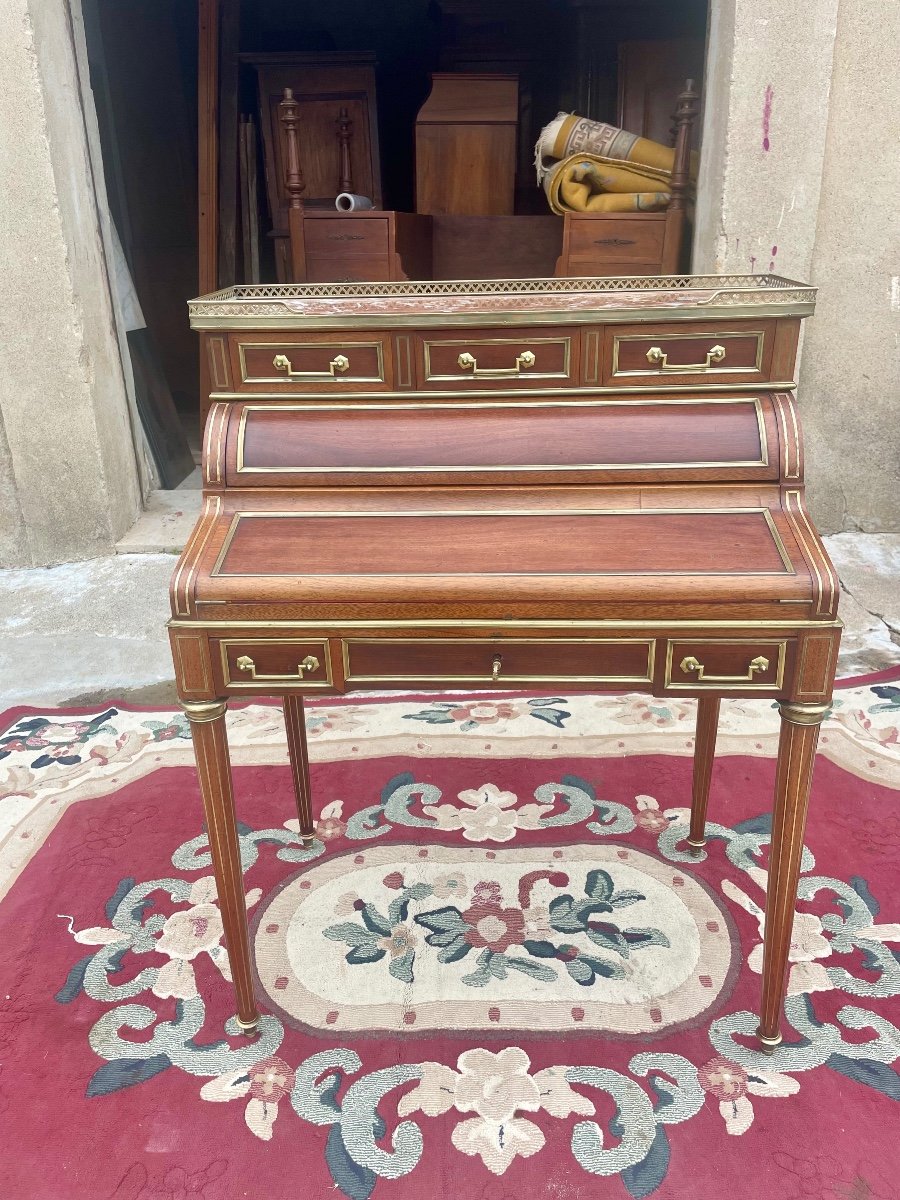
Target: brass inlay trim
464, 345
350, 406
720, 683
690, 369
284, 681
828, 663
349, 677
664, 388
325, 377
792, 497
199, 646
639, 624
181, 584
572, 512
218, 364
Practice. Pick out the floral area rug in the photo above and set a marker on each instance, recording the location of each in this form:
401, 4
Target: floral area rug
497, 973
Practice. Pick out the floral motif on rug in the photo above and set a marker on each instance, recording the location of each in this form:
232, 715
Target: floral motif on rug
482, 967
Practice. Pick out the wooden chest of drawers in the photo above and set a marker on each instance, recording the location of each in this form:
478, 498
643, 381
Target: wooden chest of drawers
571, 484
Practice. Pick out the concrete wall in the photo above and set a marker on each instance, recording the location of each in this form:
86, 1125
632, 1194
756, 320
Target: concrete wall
800, 176
68, 473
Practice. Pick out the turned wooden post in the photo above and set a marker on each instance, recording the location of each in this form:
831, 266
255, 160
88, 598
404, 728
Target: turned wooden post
796, 755
207, 721
680, 185
704, 757
345, 132
293, 184
295, 725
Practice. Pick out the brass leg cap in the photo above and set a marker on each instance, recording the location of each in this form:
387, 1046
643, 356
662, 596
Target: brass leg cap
697, 846
248, 1028
768, 1045
307, 839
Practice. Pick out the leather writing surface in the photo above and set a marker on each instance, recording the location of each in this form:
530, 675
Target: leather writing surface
566, 543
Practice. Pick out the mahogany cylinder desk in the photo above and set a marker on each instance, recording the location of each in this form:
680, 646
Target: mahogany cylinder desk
589, 483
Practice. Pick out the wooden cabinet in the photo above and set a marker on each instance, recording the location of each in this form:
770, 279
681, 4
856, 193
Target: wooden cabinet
466, 145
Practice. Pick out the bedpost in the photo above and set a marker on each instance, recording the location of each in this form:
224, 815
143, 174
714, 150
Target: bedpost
293, 185
680, 187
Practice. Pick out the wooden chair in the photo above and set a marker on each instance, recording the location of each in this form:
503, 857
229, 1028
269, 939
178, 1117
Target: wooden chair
651, 243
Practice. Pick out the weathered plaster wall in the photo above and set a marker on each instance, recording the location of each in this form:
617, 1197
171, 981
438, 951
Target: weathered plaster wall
800, 176
850, 373
70, 483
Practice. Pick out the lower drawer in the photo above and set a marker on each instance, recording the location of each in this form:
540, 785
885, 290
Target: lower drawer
739, 664
253, 664
502, 663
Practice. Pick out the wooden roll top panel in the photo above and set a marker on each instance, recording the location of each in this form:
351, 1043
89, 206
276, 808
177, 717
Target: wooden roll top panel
658, 439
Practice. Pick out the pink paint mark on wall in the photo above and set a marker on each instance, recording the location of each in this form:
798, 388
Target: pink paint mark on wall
772, 263
767, 115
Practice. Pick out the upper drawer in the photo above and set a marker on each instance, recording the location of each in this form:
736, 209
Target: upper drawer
496, 358
687, 352
343, 362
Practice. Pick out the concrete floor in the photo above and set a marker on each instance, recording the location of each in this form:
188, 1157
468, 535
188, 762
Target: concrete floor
87, 632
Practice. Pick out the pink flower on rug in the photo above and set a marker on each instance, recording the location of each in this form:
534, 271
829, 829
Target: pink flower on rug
730, 1084
494, 927
399, 941
329, 720
330, 828
723, 1079
486, 891
270, 1079
267, 1082
485, 712
188, 932
345, 904
449, 885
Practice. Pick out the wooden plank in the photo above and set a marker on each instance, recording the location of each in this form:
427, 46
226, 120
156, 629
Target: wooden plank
229, 38
207, 143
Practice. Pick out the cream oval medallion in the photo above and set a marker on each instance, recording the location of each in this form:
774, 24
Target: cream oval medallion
438, 938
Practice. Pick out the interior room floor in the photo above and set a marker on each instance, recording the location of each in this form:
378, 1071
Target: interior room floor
86, 632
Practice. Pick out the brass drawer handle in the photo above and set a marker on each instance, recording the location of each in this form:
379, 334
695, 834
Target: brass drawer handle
692, 664
468, 361
246, 663
338, 365
495, 667
657, 357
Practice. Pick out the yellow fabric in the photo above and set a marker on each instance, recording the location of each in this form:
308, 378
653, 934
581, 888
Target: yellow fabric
587, 183
603, 169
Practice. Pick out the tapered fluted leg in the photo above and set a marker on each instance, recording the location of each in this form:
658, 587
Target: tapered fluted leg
295, 724
704, 756
796, 755
207, 720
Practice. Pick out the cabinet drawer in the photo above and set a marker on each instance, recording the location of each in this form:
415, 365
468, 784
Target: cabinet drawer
255, 664
495, 358
487, 662
633, 239
739, 665
329, 235
348, 362
688, 352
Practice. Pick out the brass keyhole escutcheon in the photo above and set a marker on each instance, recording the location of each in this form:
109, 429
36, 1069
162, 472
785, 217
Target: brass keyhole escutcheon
495, 667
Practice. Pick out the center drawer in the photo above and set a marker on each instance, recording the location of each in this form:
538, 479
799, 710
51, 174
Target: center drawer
501, 663
489, 358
